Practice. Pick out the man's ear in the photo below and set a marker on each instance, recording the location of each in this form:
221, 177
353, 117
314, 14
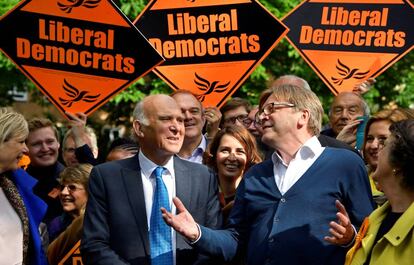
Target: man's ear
138, 128
304, 118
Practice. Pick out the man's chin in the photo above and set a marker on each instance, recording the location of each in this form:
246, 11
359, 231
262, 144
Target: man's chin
44, 163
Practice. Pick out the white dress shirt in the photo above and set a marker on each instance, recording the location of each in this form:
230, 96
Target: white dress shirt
149, 183
287, 175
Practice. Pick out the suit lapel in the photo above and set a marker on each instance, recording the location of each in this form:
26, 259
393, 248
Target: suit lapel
131, 175
183, 182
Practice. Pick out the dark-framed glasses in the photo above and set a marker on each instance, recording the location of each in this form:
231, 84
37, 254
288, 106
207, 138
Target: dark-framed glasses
71, 187
270, 108
244, 119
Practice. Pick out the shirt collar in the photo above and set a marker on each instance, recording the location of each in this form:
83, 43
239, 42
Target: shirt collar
309, 149
202, 146
147, 166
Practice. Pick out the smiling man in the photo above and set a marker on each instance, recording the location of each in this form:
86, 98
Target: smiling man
43, 145
344, 111
195, 117
123, 223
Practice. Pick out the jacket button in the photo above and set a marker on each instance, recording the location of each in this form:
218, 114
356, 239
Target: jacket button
283, 200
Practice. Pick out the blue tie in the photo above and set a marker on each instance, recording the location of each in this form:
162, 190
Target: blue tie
160, 232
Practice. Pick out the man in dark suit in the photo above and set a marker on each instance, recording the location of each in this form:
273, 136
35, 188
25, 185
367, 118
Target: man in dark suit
121, 219
284, 205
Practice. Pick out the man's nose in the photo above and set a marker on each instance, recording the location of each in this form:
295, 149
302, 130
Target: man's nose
187, 114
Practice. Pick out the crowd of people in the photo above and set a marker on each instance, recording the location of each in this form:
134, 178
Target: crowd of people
238, 185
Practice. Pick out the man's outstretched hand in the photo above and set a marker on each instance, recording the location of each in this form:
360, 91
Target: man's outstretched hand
341, 232
182, 222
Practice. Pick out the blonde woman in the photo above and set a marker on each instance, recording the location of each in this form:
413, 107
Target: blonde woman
21, 210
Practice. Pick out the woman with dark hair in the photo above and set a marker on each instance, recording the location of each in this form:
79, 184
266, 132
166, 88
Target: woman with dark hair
21, 210
387, 235
232, 151
376, 132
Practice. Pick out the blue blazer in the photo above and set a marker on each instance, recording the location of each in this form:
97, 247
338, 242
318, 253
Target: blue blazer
272, 228
115, 227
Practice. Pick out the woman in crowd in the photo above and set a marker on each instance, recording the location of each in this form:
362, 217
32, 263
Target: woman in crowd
376, 132
73, 197
232, 151
67, 229
387, 235
21, 210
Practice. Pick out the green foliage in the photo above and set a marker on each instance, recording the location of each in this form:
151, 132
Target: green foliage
395, 86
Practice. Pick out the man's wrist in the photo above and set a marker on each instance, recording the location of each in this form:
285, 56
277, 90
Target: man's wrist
353, 239
196, 237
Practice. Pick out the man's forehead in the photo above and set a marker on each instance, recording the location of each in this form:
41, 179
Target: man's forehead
347, 99
42, 132
185, 100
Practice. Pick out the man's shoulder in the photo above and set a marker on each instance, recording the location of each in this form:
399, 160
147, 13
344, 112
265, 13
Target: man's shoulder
188, 164
131, 162
341, 159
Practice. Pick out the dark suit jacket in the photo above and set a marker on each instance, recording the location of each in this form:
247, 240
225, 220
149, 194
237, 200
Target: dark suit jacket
115, 227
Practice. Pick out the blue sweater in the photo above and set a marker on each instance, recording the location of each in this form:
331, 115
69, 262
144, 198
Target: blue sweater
289, 229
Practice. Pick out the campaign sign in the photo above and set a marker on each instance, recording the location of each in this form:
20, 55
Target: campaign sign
73, 257
79, 53
210, 46
349, 41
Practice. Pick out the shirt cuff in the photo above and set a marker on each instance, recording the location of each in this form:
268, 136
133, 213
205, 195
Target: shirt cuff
353, 239
199, 235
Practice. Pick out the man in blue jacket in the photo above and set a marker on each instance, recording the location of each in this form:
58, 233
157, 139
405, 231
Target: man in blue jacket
284, 205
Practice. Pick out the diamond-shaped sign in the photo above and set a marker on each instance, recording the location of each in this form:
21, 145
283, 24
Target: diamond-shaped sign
78, 53
73, 257
210, 46
348, 41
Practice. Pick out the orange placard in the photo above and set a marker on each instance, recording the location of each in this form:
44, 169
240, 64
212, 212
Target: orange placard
210, 46
78, 53
73, 257
348, 41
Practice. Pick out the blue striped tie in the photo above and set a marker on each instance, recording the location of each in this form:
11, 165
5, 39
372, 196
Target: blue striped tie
160, 232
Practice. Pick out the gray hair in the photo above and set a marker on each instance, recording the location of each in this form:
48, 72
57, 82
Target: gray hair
139, 113
292, 80
364, 105
89, 132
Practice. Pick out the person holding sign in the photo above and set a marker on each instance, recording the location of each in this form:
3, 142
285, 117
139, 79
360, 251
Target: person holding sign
123, 222
283, 204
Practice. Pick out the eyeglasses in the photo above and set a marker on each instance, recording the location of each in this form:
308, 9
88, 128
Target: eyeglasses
244, 119
270, 108
71, 187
